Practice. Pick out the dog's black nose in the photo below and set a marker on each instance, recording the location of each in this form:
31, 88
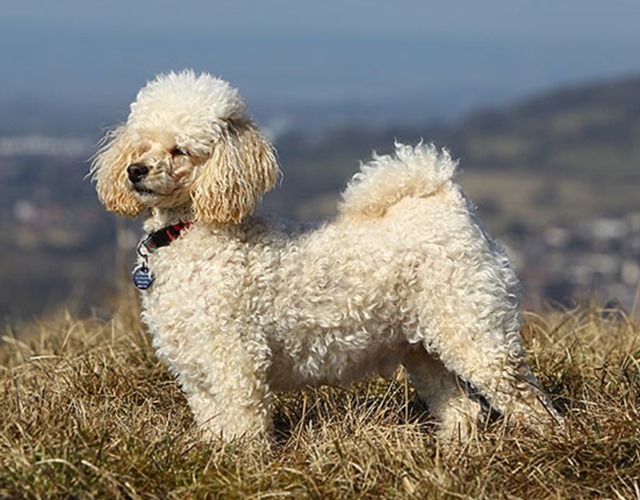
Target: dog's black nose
136, 172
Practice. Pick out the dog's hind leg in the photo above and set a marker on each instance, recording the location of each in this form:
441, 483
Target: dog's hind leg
496, 366
468, 317
444, 393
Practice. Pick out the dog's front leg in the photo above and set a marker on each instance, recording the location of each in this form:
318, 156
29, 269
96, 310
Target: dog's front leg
229, 396
220, 417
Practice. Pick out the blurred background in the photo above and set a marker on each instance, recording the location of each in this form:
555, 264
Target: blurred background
539, 100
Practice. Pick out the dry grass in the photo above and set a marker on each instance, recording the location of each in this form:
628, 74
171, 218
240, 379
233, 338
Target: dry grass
87, 411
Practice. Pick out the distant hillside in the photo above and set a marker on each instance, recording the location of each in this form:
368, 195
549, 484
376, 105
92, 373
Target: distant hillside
589, 130
576, 150
579, 127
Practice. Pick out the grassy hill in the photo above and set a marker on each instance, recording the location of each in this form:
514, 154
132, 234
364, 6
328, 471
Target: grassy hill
88, 412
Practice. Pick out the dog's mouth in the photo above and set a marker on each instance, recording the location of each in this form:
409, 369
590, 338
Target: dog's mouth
140, 189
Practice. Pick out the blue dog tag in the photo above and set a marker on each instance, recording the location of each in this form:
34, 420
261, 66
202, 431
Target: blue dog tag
142, 278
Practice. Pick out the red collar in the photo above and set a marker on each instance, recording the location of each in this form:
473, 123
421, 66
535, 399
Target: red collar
164, 236
142, 276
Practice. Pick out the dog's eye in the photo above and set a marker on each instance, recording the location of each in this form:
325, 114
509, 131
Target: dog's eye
178, 152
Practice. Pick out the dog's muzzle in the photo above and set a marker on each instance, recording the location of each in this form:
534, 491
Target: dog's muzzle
137, 172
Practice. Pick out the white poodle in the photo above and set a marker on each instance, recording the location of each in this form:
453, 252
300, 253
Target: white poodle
242, 305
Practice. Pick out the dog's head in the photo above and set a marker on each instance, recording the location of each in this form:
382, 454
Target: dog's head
188, 141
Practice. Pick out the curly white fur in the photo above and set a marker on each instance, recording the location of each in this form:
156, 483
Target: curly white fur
244, 305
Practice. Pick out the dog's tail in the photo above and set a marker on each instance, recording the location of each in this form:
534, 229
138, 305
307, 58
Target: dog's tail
418, 171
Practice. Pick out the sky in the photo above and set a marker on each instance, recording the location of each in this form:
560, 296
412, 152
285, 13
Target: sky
508, 19
448, 55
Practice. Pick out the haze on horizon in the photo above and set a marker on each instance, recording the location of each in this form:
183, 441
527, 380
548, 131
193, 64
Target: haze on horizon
451, 55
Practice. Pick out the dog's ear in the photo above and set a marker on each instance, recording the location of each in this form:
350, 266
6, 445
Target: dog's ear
229, 186
109, 171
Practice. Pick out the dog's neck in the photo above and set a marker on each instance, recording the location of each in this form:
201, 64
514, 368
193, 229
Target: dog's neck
163, 217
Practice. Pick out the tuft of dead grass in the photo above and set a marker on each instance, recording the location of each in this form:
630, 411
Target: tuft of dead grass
87, 411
